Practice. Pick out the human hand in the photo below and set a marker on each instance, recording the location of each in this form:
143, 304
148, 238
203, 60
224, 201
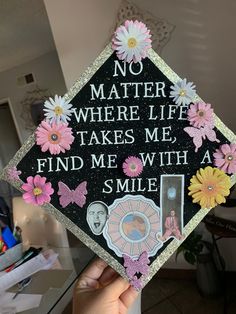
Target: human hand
100, 290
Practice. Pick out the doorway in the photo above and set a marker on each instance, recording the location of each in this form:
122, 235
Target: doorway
9, 145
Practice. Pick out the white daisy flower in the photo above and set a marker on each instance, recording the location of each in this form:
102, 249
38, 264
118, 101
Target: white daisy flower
183, 92
57, 110
131, 41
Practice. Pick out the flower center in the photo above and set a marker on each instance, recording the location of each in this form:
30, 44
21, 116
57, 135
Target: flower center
201, 113
229, 157
132, 42
182, 92
37, 191
132, 167
58, 110
210, 187
54, 137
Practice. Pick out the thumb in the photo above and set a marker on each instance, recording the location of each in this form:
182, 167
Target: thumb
117, 287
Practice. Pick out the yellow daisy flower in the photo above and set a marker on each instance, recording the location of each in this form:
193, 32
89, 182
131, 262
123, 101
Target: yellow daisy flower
209, 187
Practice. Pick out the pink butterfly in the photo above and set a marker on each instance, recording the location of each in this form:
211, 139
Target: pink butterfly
136, 283
136, 266
201, 134
68, 196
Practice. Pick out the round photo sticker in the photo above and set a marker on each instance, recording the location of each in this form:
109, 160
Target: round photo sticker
133, 226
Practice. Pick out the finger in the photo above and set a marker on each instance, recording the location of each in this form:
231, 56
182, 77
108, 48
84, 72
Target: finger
89, 277
108, 276
116, 288
128, 296
95, 269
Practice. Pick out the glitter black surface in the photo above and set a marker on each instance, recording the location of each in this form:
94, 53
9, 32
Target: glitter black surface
96, 177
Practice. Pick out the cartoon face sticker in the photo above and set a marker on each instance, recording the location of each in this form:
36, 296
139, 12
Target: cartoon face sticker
97, 213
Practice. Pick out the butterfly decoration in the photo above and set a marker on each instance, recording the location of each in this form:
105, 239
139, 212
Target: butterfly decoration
136, 266
136, 283
68, 196
200, 134
13, 173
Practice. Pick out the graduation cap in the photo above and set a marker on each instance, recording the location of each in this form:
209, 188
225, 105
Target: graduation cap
130, 160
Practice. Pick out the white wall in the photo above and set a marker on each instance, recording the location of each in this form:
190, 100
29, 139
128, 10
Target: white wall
202, 49
48, 75
81, 30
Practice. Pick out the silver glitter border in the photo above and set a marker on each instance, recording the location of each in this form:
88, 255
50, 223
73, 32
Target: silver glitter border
93, 245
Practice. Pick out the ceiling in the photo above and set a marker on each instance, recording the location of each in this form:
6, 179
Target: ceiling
25, 32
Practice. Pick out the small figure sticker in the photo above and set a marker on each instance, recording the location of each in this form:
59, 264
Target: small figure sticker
172, 226
172, 202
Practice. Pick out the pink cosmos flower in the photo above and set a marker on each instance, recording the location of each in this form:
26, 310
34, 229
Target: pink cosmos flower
225, 158
132, 166
56, 137
37, 191
13, 173
131, 41
200, 115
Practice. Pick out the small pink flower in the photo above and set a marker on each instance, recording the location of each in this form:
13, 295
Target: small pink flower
131, 41
225, 158
132, 166
56, 137
37, 191
200, 115
13, 173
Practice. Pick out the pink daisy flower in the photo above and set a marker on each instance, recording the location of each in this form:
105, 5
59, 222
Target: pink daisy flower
37, 191
56, 137
13, 173
225, 158
200, 115
132, 166
131, 41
